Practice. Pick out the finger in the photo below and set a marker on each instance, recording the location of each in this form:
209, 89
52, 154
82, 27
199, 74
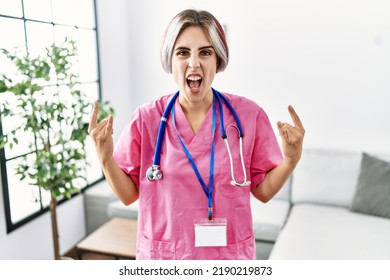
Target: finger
101, 126
280, 128
283, 126
294, 116
94, 116
283, 131
109, 130
288, 127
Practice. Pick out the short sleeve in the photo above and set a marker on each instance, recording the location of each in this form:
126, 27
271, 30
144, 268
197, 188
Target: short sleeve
127, 151
267, 154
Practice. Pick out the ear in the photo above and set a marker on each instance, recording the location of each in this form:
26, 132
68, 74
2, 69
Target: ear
218, 62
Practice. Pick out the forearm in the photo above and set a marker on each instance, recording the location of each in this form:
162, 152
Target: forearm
292, 139
274, 180
120, 182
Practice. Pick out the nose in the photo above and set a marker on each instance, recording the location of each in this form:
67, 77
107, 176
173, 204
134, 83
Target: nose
193, 62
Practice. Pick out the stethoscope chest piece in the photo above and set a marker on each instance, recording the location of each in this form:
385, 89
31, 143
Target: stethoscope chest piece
154, 173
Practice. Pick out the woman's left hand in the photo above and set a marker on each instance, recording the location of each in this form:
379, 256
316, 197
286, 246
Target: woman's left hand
292, 137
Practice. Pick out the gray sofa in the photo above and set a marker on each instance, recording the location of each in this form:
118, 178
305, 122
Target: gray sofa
310, 218
340, 208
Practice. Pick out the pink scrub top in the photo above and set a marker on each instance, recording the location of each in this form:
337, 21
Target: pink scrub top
168, 207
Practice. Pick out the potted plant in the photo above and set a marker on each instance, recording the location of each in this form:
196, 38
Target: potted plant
57, 121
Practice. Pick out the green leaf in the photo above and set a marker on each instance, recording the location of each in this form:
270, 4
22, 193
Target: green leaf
3, 140
3, 86
59, 126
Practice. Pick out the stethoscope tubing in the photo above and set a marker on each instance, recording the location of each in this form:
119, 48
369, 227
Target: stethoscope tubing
161, 130
223, 131
154, 172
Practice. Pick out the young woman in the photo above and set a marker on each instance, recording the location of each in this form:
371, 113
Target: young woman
194, 185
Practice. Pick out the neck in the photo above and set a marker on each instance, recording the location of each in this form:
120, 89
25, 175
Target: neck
196, 112
196, 108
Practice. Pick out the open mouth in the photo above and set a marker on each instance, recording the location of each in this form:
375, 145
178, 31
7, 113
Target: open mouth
194, 81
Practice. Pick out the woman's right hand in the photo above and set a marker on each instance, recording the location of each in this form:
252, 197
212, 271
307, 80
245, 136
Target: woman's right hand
101, 134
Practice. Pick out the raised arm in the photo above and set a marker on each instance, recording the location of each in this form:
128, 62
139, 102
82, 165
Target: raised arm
101, 134
292, 139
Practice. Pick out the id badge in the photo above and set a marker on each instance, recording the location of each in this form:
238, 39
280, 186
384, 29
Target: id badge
210, 233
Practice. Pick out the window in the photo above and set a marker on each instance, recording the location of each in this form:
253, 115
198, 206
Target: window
34, 25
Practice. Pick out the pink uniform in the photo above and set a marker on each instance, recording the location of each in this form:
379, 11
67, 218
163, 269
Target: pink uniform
168, 207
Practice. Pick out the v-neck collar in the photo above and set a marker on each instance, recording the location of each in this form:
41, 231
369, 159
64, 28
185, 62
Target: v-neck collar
193, 140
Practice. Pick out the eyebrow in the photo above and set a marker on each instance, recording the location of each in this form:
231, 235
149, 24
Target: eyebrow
188, 49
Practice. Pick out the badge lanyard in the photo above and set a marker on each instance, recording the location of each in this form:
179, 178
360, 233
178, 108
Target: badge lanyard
208, 191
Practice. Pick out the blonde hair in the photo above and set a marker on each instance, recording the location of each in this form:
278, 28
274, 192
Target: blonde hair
211, 27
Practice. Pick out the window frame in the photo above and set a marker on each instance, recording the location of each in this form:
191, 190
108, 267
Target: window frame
10, 225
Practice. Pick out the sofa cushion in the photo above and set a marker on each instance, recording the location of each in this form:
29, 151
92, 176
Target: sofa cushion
323, 232
326, 177
269, 218
373, 188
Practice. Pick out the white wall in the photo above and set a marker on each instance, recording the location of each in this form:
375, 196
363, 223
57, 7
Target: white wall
116, 51
33, 241
329, 59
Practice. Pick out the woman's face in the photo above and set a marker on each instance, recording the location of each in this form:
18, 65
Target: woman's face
194, 65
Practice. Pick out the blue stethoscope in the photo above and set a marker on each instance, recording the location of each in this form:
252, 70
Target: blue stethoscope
154, 172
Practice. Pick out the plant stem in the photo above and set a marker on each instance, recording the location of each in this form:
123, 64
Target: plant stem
54, 227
